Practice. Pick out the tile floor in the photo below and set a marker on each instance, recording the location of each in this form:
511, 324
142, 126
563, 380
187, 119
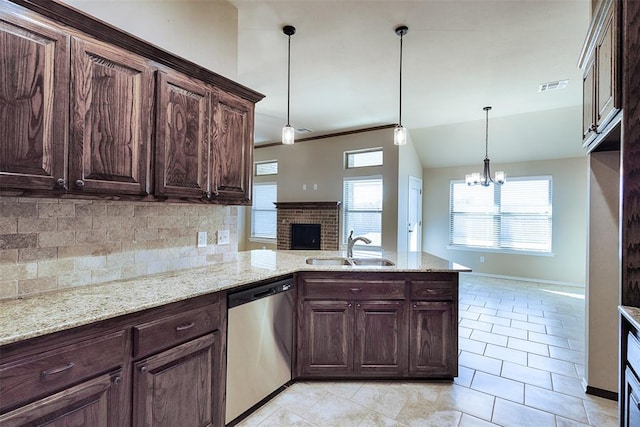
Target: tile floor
520, 364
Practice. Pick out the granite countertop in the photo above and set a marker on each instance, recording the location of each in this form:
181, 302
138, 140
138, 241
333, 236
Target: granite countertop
29, 317
632, 314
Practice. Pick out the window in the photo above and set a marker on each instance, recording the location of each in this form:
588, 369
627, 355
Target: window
266, 168
263, 211
362, 209
514, 216
360, 159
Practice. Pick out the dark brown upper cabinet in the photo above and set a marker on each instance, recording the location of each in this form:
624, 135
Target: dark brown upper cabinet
182, 136
111, 98
232, 148
34, 104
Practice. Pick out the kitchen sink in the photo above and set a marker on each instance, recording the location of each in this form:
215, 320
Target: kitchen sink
328, 261
381, 262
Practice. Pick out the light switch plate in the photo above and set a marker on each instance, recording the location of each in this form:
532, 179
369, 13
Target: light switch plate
223, 237
202, 239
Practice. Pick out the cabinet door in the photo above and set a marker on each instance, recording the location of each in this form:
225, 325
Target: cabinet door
606, 69
182, 136
433, 343
111, 98
34, 106
232, 149
326, 338
588, 102
91, 403
380, 341
175, 387
631, 416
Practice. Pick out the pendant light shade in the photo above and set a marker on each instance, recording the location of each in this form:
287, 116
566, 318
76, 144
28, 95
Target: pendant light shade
288, 132
400, 132
485, 178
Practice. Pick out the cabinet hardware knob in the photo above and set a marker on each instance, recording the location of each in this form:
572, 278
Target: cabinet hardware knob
117, 380
185, 327
60, 182
79, 183
415, 305
207, 195
57, 370
355, 290
350, 305
143, 369
594, 128
358, 305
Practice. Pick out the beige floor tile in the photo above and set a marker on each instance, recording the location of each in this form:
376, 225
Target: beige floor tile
336, 411
299, 398
511, 414
282, 417
469, 401
601, 412
374, 419
556, 403
471, 421
498, 386
381, 397
344, 389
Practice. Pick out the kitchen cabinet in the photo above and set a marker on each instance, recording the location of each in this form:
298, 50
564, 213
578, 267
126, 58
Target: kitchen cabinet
377, 325
629, 367
77, 381
600, 61
111, 98
183, 118
164, 366
83, 107
35, 103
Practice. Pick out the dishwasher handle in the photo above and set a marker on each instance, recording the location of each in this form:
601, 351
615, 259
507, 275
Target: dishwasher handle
261, 291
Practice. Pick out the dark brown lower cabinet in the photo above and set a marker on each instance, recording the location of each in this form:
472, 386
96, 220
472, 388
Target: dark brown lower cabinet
377, 325
433, 339
176, 386
90, 403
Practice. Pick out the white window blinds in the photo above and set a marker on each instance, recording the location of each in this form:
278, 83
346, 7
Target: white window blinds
362, 209
514, 216
263, 211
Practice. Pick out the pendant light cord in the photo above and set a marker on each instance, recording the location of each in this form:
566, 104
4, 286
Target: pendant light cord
400, 106
486, 133
288, 79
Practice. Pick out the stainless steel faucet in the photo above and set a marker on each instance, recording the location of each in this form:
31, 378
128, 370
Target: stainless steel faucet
352, 240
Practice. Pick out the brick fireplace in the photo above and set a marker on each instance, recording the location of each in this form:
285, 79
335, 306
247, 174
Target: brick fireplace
326, 214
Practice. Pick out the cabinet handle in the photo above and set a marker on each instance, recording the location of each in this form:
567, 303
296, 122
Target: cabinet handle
57, 370
185, 327
355, 290
79, 183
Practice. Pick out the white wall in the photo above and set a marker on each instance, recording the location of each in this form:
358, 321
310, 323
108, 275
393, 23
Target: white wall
204, 32
569, 222
321, 162
603, 271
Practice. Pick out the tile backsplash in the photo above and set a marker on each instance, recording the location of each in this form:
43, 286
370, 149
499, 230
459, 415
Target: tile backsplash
49, 244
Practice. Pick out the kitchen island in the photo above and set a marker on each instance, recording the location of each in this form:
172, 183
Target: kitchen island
152, 350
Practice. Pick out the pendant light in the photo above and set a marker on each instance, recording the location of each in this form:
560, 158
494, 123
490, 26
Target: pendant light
485, 179
288, 132
400, 132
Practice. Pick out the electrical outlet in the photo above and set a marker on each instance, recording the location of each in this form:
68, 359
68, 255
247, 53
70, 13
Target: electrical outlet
223, 237
481, 259
202, 239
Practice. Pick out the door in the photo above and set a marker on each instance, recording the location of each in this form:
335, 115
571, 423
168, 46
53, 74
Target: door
182, 136
433, 345
91, 403
111, 98
380, 343
414, 220
232, 149
34, 104
175, 387
326, 338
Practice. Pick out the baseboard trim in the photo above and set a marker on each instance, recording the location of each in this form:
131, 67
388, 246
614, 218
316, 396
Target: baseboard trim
606, 394
527, 279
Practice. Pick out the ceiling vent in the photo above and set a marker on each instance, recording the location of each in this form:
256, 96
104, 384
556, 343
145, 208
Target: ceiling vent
546, 87
302, 131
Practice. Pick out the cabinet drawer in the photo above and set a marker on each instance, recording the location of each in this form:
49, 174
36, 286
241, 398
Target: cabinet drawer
633, 352
432, 290
174, 329
353, 289
44, 373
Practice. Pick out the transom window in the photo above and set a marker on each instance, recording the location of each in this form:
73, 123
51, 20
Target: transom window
363, 158
266, 168
362, 209
515, 216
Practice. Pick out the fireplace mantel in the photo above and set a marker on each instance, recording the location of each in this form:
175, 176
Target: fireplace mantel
307, 205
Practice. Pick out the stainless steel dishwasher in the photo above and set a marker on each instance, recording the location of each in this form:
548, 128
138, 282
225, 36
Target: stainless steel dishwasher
259, 344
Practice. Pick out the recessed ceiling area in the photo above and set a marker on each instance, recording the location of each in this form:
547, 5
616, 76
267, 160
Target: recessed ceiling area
458, 56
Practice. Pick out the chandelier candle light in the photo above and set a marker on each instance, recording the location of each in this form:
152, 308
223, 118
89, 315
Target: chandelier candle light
485, 179
288, 131
400, 132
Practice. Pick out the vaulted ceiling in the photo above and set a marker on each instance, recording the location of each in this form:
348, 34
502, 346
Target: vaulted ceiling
459, 55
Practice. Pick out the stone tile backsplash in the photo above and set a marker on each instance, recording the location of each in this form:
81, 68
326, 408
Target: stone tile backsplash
49, 244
